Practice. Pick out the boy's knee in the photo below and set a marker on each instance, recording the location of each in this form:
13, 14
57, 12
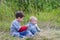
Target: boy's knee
30, 34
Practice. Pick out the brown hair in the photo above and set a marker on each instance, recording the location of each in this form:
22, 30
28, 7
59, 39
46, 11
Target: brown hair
19, 14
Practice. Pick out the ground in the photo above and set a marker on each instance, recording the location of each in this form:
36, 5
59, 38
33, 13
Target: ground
45, 34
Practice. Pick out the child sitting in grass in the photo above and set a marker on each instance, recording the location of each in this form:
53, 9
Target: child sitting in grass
16, 29
32, 25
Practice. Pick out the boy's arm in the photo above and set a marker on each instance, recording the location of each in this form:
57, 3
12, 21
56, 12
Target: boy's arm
16, 26
20, 28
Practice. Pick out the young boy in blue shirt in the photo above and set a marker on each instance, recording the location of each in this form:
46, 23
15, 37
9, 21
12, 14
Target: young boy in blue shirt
15, 26
32, 25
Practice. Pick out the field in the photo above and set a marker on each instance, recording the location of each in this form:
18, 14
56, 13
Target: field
43, 35
46, 11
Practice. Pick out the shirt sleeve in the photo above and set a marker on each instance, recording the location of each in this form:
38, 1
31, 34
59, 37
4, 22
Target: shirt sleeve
16, 26
38, 29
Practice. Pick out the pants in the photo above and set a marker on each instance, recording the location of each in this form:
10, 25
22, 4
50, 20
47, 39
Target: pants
26, 33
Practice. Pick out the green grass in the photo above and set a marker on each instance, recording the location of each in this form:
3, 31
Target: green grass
46, 11
51, 19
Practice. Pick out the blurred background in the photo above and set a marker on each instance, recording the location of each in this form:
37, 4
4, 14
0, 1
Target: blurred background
46, 11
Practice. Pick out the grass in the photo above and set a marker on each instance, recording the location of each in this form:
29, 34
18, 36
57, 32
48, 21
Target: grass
46, 11
46, 20
43, 35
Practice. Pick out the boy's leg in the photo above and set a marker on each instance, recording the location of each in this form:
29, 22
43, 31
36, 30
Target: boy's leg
26, 34
21, 36
29, 34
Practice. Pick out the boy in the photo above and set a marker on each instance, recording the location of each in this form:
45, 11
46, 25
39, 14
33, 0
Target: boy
16, 29
32, 25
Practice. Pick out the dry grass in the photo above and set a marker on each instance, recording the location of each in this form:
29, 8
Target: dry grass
48, 35
43, 35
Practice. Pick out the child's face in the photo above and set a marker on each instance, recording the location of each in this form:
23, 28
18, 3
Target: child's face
20, 19
34, 21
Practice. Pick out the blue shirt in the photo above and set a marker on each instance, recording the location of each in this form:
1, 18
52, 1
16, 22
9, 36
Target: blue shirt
15, 26
33, 28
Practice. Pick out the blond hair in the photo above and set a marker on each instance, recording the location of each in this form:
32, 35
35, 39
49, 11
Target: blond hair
33, 18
